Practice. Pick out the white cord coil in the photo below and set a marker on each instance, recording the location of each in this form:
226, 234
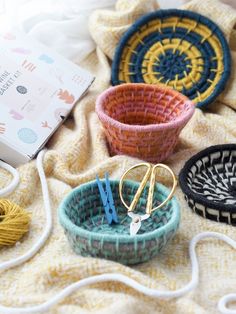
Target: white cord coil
15, 181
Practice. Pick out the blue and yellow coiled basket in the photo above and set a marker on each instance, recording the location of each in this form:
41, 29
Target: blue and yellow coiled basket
82, 215
178, 48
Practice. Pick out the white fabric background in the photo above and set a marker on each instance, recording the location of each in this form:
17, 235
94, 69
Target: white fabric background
60, 24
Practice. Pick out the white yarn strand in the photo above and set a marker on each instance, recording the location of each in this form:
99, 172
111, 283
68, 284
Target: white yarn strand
162, 294
15, 181
224, 301
48, 227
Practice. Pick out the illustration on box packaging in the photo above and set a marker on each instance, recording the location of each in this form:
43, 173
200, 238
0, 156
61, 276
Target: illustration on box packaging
38, 89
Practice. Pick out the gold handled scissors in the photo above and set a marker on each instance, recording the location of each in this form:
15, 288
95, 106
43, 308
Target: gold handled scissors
136, 222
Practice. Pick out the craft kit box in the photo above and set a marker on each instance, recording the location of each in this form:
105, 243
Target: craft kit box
38, 89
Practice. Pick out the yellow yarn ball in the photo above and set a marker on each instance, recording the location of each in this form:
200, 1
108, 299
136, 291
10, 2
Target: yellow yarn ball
14, 222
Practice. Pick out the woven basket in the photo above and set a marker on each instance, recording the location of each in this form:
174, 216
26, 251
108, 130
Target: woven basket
179, 48
82, 215
142, 120
208, 181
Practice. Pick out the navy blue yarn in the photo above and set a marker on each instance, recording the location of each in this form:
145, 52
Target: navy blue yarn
204, 48
161, 14
172, 64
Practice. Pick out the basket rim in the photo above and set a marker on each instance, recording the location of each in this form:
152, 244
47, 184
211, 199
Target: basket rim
194, 196
77, 230
181, 120
162, 13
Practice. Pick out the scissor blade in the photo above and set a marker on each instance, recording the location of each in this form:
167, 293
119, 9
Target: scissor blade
134, 227
144, 217
136, 222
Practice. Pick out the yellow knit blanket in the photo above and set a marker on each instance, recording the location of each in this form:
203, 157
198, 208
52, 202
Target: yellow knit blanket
77, 152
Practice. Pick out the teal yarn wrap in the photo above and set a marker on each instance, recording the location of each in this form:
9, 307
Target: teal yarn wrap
82, 216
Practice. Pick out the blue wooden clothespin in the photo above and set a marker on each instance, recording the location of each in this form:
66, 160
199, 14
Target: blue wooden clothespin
107, 200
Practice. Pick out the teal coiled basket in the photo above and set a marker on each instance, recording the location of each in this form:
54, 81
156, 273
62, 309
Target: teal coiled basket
82, 215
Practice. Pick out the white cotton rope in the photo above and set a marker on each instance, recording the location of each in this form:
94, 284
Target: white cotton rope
15, 181
47, 230
162, 294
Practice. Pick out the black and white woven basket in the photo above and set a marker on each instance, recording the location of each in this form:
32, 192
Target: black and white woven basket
208, 181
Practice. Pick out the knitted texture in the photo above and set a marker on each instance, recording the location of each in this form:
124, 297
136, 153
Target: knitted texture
143, 120
77, 153
181, 49
82, 216
208, 181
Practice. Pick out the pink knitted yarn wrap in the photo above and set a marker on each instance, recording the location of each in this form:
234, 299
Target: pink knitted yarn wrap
143, 120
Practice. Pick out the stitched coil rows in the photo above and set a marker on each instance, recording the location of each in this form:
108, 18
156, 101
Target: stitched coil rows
181, 49
83, 218
143, 120
208, 181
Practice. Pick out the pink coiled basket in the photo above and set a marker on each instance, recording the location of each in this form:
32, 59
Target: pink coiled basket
143, 120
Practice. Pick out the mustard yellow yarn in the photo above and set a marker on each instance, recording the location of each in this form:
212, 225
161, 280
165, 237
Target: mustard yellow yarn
14, 222
183, 46
180, 48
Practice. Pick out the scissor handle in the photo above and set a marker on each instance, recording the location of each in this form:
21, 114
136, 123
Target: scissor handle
141, 186
151, 171
149, 209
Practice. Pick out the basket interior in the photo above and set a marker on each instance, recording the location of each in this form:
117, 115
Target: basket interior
213, 176
86, 211
138, 105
